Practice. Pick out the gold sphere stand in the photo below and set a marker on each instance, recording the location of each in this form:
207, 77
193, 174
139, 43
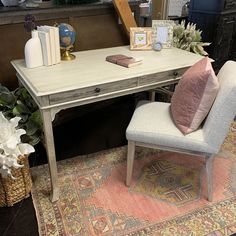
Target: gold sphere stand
66, 54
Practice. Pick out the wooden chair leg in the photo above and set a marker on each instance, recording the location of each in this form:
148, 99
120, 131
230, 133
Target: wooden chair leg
152, 95
209, 175
130, 161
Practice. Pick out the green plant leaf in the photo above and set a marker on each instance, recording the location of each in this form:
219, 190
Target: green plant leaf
7, 99
15, 111
4, 89
20, 103
36, 118
31, 105
34, 139
20, 108
8, 114
24, 93
31, 128
24, 118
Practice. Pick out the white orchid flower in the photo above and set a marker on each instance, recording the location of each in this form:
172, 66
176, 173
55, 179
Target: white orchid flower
6, 162
10, 145
9, 135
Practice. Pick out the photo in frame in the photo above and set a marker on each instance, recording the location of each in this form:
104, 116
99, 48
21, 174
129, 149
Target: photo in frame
140, 38
163, 32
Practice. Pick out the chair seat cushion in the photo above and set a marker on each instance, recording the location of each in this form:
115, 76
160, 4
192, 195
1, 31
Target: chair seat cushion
194, 96
152, 124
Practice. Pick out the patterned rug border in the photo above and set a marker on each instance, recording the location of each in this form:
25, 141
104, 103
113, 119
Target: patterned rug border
180, 218
37, 212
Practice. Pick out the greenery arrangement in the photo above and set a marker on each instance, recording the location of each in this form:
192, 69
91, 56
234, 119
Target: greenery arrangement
19, 103
189, 38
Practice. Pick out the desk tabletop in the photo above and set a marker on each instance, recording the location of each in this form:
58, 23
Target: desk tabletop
90, 69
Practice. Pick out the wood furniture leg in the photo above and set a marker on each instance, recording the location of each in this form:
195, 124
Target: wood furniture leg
49, 142
152, 95
209, 167
130, 161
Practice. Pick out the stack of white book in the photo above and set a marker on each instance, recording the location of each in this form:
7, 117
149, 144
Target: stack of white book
50, 42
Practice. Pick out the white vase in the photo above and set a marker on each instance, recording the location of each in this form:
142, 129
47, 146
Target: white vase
33, 51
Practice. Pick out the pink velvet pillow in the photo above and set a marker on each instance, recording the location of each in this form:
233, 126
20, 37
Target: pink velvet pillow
194, 96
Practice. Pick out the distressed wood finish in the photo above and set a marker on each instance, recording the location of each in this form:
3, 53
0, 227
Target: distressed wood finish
172, 76
130, 161
90, 69
209, 174
49, 142
93, 91
90, 78
152, 95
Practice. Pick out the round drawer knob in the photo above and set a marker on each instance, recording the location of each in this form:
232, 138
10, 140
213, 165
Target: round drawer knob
97, 90
175, 73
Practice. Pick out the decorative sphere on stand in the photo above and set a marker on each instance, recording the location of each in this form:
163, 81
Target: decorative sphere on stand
67, 39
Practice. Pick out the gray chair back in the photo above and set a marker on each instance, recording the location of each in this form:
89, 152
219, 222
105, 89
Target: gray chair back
224, 108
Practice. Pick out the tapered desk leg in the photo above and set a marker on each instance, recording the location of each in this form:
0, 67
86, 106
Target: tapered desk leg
49, 141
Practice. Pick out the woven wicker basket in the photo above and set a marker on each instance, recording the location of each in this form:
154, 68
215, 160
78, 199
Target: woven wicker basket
14, 190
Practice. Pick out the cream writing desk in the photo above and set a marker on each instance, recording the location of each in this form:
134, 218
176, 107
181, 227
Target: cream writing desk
89, 78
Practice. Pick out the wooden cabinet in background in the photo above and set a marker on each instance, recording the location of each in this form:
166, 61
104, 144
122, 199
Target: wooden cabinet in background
217, 20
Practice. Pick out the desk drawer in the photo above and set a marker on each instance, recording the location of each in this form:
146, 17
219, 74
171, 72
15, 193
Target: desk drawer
92, 91
161, 77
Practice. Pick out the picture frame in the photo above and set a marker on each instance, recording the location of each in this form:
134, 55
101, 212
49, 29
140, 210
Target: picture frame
163, 32
141, 38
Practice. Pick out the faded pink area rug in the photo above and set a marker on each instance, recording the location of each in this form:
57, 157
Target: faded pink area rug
165, 197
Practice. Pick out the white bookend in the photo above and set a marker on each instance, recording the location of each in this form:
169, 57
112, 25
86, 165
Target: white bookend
45, 43
50, 31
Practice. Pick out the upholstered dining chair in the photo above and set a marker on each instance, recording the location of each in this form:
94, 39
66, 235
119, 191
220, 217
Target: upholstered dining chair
152, 126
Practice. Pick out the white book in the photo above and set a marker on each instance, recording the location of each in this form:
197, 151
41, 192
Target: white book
57, 44
50, 31
46, 50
